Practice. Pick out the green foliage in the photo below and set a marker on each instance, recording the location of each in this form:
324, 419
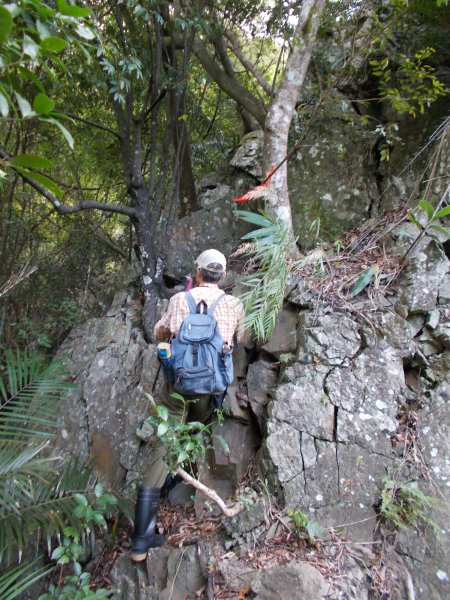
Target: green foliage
34, 495
17, 580
91, 512
432, 215
76, 587
405, 505
248, 497
305, 529
27, 335
33, 36
410, 86
184, 442
29, 392
269, 254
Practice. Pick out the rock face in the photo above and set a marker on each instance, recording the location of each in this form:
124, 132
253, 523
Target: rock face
112, 366
215, 226
336, 184
336, 417
328, 404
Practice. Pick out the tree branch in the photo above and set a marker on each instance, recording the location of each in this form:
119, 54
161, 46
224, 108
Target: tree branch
237, 92
228, 511
63, 209
247, 64
93, 124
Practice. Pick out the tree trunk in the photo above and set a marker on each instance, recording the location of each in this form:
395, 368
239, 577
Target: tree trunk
187, 194
151, 287
282, 109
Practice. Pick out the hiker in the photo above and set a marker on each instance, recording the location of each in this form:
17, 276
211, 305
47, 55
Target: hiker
228, 311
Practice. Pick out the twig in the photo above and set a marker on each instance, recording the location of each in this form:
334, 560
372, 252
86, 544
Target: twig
228, 511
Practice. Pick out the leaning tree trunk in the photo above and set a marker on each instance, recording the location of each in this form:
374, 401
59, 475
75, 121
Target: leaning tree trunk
281, 111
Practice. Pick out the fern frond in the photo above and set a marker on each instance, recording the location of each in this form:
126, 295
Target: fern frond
30, 394
264, 293
17, 580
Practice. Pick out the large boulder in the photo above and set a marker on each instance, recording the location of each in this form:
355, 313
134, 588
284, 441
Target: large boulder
112, 366
322, 187
215, 226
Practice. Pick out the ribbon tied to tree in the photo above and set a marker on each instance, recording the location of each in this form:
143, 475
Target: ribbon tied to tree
258, 191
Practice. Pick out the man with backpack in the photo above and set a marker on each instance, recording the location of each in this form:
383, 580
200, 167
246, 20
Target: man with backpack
203, 325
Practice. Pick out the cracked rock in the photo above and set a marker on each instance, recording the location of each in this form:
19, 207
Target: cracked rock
331, 339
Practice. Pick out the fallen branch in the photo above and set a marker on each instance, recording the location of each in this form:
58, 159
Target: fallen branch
228, 511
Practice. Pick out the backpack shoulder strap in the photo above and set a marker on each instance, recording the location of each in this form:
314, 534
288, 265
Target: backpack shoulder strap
191, 302
213, 306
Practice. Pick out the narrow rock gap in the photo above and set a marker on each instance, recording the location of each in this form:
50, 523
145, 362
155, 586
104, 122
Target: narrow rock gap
336, 448
303, 460
335, 424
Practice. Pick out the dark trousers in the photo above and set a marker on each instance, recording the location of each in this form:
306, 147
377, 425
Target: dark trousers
200, 410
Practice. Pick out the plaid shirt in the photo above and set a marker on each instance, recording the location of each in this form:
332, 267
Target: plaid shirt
229, 313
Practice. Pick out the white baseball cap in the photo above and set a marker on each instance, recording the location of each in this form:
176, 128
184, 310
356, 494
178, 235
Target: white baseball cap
212, 257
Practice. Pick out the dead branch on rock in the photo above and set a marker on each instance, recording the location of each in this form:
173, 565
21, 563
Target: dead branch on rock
228, 511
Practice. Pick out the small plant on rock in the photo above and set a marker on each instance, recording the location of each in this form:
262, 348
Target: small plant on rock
306, 529
184, 444
405, 505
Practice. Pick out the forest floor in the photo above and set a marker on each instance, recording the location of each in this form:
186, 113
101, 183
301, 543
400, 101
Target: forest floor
279, 544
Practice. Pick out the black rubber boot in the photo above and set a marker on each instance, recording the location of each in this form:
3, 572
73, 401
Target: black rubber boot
144, 536
169, 484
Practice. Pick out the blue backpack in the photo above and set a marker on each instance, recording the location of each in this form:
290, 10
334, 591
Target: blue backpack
201, 363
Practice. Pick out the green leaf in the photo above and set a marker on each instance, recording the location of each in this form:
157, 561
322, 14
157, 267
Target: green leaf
440, 230
84, 32
66, 133
72, 10
24, 106
265, 232
42, 104
363, 280
30, 47
15, 581
182, 456
411, 217
99, 519
31, 161
223, 443
442, 213
254, 218
162, 429
98, 490
6, 23
64, 560
427, 207
81, 499
43, 30
4, 107
315, 531
163, 412
28, 75
42, 179
58, 552
54, 43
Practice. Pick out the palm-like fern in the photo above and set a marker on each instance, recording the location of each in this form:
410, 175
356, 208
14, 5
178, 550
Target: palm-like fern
34, 497
269, 254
